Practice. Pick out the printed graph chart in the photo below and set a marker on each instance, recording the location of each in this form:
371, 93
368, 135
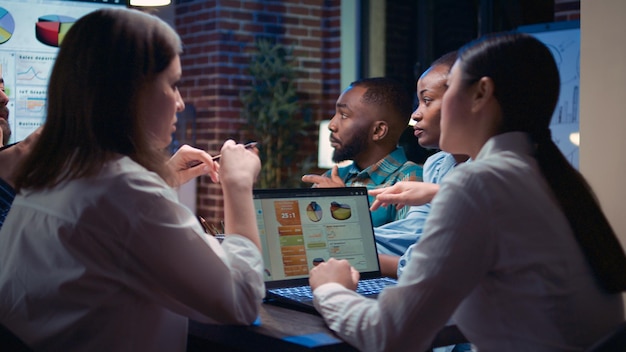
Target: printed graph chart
7, 64
563, 40
33, 69
31, 101
31, 73
7, 25
565, 47
51, 29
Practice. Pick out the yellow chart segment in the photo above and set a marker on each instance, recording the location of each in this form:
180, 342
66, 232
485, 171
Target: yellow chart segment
4, 35
63, 28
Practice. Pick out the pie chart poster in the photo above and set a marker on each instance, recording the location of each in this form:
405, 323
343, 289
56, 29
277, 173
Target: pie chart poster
30, 31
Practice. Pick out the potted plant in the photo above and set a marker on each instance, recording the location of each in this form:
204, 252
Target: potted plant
273, 113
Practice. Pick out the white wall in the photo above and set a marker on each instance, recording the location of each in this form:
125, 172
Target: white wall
603, 106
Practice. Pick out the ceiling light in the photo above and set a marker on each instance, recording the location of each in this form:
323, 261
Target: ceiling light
149, 2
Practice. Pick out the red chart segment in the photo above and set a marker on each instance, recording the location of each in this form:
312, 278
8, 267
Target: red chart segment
7, 25
51, 29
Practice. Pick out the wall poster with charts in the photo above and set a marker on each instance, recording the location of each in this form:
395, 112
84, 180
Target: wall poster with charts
30, 34
563, 39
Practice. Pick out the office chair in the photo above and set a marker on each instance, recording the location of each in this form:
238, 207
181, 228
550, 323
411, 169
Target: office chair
612, 342
10, 342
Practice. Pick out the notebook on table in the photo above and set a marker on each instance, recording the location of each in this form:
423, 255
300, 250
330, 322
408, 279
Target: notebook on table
304, 226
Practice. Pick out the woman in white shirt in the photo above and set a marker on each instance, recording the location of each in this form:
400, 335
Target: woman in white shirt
516, 249
97, 254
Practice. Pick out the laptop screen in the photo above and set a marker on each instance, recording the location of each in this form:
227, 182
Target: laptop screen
303, 226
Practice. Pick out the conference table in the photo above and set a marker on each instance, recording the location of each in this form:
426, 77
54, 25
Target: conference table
283, 329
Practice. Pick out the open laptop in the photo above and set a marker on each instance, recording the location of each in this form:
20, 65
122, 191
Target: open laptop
304, 226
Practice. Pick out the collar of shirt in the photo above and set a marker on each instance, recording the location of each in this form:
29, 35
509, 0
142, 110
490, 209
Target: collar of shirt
516, 142
379, 171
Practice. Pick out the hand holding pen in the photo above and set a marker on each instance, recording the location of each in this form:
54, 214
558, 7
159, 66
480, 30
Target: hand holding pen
239, 165
218, 156
250, 145
189, 162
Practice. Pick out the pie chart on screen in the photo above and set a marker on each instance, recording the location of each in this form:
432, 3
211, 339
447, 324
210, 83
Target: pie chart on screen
314, 212
340, 211
51, 29
7, 25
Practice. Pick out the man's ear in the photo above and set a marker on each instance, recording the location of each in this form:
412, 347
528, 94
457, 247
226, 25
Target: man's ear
380, 130
483, 93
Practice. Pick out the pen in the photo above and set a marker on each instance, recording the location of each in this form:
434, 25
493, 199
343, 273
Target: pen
216, 157
247, 146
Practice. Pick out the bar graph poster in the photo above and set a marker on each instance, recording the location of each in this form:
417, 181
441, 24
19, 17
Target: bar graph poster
563, 40
30, 33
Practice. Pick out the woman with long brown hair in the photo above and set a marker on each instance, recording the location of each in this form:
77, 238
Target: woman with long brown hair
97, 253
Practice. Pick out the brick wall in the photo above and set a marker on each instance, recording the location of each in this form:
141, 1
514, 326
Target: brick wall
219, 36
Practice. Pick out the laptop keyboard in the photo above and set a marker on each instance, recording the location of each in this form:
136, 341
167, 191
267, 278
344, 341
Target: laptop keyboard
298, 293
370, 288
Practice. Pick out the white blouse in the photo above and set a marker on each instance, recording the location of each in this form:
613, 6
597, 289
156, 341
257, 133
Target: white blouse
116, 263
498, 256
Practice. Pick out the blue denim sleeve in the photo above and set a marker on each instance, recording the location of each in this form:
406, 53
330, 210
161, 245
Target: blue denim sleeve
395, 237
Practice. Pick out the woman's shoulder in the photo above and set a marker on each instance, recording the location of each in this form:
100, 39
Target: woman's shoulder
479, 168
437, 159
497, 173
437, 166
126, 168
124, 175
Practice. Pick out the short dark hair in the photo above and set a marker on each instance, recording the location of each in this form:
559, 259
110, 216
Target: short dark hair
389, 94
446, 59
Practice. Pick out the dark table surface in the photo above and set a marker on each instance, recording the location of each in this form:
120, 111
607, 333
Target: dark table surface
283, 329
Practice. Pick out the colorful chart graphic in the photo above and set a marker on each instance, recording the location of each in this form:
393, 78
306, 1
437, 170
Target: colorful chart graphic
33, 69
51, 29
7, 25
314, 212
340, 211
